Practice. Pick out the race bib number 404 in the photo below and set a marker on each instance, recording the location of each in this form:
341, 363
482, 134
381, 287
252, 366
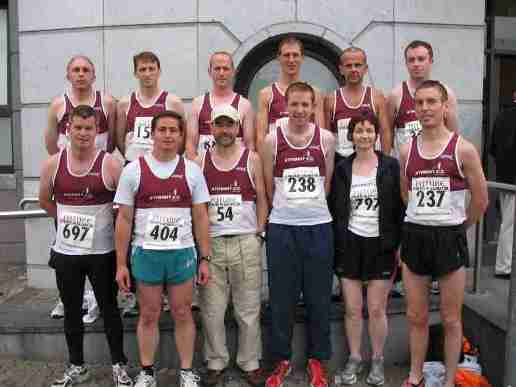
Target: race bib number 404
76, 230
142, 130
431, 194
163, 232
302, 183
225, 208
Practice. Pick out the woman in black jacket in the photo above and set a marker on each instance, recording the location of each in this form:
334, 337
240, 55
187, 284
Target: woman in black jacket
367, 215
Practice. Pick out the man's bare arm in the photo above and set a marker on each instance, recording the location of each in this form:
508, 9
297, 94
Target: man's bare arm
123, 230
474, 174
192, 129
51, 135
46, 200
404, 149
121, 124
385, 129
110, 105
248, 124
175, 104
319, 110
267, 156
329, 103
201, 223
392, 104
262, 116
262, 206
329, 147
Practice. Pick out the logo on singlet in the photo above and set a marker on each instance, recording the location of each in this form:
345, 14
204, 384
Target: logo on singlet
174, 197
160, 105
240, 169
306, 157
86, 194
446, 157
95, 174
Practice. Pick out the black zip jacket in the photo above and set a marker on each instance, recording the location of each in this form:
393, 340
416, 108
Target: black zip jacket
390, 205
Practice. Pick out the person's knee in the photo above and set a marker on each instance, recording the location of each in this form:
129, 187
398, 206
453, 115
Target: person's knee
354, 312
181, 313
451, 322
376, 312
417, 317
149, 316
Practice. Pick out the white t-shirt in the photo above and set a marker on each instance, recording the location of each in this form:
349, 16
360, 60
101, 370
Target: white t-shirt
364, 216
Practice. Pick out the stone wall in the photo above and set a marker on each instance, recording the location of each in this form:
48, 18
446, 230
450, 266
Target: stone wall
183, 34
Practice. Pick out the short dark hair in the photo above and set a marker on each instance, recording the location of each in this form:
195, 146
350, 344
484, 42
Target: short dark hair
169, 114
300, 86
365, 115
433, 84
420, 43
83, 111
145, 56
291, 39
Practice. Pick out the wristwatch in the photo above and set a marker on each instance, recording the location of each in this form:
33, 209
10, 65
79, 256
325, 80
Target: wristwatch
262, 235
206, 258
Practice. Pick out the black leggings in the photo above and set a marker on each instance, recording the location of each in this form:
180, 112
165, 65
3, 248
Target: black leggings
71, 272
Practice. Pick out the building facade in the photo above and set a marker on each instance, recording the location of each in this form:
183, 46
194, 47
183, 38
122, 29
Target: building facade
45, 34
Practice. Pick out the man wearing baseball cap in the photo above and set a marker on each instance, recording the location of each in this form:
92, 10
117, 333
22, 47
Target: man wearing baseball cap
237, 213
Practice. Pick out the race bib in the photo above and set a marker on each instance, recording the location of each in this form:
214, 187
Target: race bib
76, 230
301, 183
411, 129
432, 195
206, 142
163, 232
364, 200
142, 130
344, 145
225, 209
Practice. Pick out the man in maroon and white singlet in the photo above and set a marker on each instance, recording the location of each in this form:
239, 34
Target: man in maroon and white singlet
419, 58
351, 100
199, 137
80, 72
77, 187
298, 165
166, 197
135, 112
238, 212
439, 167
272, 105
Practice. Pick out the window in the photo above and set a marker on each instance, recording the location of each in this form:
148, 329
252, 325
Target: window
6, 143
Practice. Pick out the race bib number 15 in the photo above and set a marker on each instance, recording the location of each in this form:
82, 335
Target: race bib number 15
142, 130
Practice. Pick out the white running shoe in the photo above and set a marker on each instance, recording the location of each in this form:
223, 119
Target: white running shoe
58, 311
145, 380
189, 379
72, 375
120, 376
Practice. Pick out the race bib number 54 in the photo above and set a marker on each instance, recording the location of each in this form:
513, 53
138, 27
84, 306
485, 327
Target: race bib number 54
302, 183
163, 232
225, 208
77, 230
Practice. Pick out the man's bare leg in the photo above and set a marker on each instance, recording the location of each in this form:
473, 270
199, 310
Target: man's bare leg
416, 287
180, 300
149, 299
452, 297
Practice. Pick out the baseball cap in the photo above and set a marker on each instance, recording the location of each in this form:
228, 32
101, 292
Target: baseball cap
225, 111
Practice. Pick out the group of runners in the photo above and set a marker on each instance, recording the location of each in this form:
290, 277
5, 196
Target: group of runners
199, 197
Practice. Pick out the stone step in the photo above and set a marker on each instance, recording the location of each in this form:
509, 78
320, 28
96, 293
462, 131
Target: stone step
21, 373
